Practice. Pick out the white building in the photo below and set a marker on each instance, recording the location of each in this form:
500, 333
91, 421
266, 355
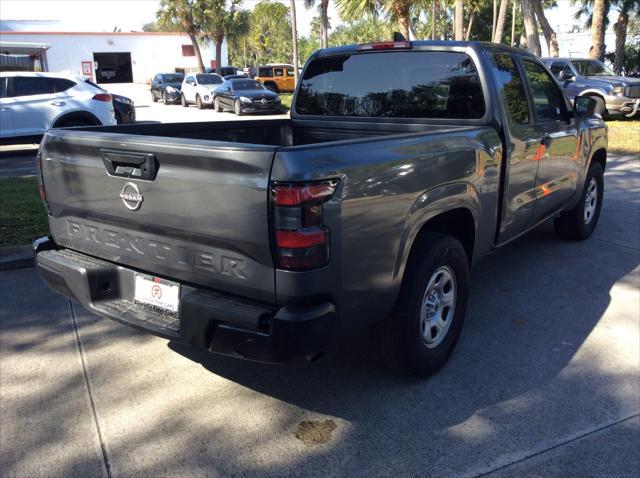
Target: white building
118, 57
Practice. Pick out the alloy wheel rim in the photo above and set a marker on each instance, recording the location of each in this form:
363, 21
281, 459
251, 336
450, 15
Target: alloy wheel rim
590, 201
438, 307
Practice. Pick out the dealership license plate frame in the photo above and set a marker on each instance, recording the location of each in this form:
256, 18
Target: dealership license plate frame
157, 293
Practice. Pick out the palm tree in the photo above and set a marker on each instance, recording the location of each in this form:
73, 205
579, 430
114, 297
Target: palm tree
398, 10
459, 20
547, 31
598, 29
222, 17
501, 21
294, 40
323, 8
625, 8
531, 27
187, 15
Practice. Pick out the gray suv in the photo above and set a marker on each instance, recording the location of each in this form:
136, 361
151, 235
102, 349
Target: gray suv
615, 95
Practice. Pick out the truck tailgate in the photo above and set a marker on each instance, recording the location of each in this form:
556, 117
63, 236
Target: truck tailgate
188, 210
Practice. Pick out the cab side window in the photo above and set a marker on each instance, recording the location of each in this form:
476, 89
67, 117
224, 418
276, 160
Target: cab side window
548, 101
558, 66
290, 72
511, 88
265, 72
278, 72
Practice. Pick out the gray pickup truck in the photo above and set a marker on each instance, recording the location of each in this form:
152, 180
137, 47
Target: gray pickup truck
401, 165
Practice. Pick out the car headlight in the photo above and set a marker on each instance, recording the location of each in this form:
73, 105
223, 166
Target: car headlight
171, 89
618, 91
244, 99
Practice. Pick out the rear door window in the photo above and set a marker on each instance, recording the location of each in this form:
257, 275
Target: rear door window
421, 84
62, 84
511, 88
3, 87
32, 85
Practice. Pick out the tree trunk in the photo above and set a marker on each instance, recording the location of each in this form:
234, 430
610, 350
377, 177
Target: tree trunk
196, 49
219, 38
495, 18
597, 30
523, 40
549, 34
531, 27
324, 7
472, 17
433, 19
458, 30
620, 27
502, 20
294, 40
513, 24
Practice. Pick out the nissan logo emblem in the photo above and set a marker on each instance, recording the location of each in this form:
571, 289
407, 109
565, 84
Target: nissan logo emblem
131, 196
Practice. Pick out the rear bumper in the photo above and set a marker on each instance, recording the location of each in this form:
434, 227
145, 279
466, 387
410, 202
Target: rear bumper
221, 323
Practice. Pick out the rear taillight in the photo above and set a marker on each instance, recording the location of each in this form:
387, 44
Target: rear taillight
103, 97
300, 236
43, 194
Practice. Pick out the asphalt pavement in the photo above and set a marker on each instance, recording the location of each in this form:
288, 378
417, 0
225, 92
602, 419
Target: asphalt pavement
544, 382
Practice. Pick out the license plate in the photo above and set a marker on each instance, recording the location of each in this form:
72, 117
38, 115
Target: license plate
157, 292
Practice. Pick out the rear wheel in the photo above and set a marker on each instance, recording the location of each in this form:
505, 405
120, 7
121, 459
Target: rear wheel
67, 123
237, 108
199, 102
183, 101
580, 222
216, 105
433, 303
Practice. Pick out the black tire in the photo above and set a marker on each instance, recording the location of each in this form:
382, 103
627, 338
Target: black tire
601, 107
183, 101
438, 257
118, 118
153, 97
271, 86
237, 108
165, 100
216, 105
580, 222
199, 103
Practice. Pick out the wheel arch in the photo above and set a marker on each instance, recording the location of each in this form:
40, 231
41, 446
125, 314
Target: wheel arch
76, 115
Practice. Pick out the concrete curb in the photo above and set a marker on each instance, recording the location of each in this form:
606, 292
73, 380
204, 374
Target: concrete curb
16, 257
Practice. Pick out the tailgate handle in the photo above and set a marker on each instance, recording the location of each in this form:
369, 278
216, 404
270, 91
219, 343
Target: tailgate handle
130, 165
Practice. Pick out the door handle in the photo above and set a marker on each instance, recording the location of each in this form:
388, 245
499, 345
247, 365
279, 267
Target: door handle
58, 103
546, 140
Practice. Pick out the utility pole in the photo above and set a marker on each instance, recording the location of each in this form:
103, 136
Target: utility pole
294, 38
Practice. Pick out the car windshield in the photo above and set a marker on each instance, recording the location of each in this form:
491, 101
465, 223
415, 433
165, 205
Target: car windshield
209, 79
592, 68
173, 78
420, 85
246, 85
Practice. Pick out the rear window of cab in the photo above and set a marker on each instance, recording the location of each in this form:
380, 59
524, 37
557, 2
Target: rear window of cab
408, 84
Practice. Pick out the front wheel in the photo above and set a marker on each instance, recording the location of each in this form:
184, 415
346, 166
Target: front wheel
237, 108
580, 222
165, 100
216, 105
183, 101
433, 303
153, 97
199, 103
601, 107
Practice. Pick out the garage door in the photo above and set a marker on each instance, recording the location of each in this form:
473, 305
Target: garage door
113, 67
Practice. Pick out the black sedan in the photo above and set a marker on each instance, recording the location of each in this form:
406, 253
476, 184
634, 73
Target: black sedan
166, 87
245, 96
124, 109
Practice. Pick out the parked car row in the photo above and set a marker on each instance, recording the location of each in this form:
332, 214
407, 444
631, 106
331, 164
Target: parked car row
235, 92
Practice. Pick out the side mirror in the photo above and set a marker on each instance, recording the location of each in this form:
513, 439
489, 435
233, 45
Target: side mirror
584, 106
566, 76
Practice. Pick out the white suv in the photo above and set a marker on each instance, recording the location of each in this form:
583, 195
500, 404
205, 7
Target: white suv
31, 103
198, 88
